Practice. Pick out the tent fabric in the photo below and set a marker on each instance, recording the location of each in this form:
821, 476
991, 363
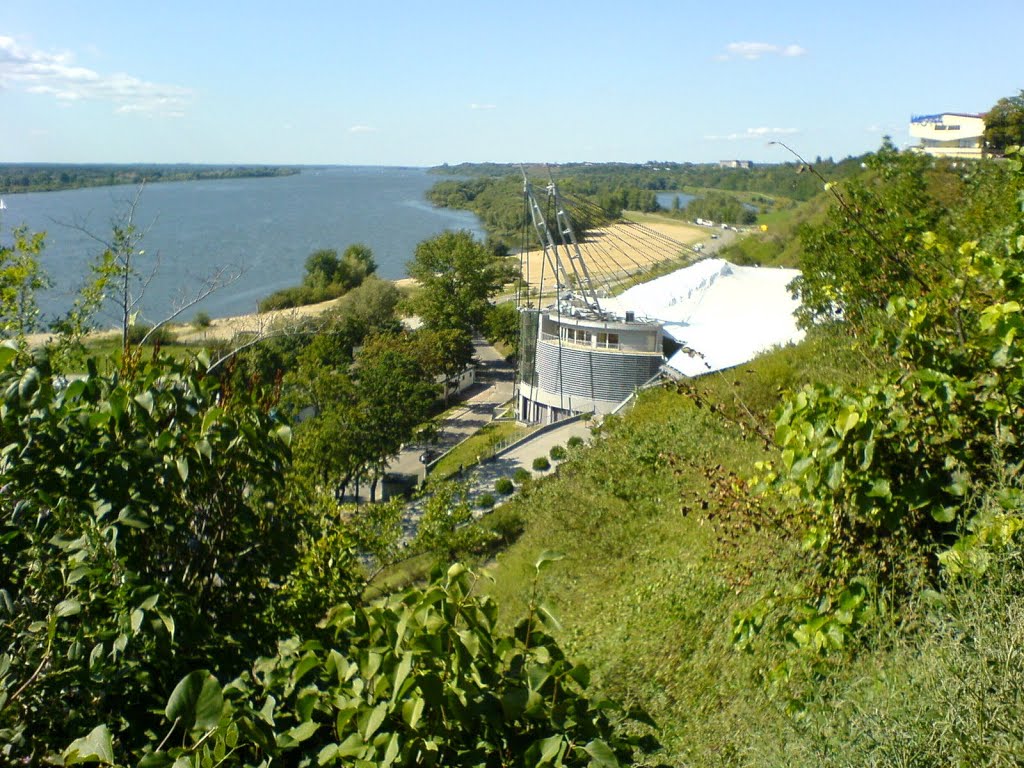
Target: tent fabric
723, 314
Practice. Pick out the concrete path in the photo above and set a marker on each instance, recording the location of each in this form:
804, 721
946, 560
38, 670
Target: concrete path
495, 380
484, 476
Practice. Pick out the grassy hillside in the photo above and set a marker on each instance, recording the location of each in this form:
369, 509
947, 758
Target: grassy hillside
863, 606
648, 586
660, 559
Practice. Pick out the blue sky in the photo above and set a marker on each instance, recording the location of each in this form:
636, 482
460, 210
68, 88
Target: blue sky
423, 83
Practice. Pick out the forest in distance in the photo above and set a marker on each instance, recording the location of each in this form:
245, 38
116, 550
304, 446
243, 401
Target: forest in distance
53, 177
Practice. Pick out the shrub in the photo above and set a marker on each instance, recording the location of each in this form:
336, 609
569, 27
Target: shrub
541, 464
286, 298
521, 475
504, 486
575, 441
485, 501
557, 452
201, 320
138, 332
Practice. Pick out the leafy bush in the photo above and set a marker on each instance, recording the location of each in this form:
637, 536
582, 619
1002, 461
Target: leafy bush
521, 475
327, 277
287, 298
136, 510
557, 452
504, 486
883, 473
485, 500
420, 678
541, 464
201, 320
153, 337
574, 442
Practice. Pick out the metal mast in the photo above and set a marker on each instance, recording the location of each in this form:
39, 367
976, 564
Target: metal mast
579, 279
547, 242
572, 248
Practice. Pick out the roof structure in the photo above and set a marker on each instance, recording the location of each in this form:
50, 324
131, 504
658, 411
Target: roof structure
722, 314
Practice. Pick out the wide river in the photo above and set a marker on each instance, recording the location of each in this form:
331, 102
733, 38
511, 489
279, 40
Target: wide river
263, 227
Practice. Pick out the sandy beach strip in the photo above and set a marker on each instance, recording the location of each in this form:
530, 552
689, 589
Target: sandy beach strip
608, 251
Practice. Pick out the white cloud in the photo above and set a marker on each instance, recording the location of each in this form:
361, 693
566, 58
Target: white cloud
54, 74
752, 134
362, 129
483, 106
752, 51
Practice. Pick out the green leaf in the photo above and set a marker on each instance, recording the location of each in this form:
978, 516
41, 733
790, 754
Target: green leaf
8, 351
376, 718
412, 711
581, 674
68, 607
197, 701
549, 748
548, 618
353, 745
548, 556
944, 514
308, 662
145, 400
156, 760
168, 622
301, 732
327, 755
835, 474
182, 463
601, 754
846, 420
404, 667
284, 434
880, 489
97, 747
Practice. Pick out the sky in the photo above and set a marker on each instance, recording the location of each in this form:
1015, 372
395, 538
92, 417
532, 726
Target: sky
418, 83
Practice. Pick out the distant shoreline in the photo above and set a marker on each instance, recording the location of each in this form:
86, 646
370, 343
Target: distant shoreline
22, 178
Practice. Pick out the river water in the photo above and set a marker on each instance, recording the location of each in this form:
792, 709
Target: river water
264, 227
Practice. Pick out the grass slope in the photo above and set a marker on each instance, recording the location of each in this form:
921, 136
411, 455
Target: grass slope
656, 567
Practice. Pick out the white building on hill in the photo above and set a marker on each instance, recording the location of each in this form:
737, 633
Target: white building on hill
949, 134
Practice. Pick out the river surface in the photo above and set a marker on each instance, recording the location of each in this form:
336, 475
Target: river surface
263, 227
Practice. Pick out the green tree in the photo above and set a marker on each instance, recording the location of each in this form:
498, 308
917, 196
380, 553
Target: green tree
457, 277
355, 266
422, 678
502, 325
446, 352
1004, 124
395, 395
864, 252
321, 268
21, 277
136, 510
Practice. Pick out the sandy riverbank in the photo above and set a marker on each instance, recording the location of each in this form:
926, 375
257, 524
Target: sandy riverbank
607, 251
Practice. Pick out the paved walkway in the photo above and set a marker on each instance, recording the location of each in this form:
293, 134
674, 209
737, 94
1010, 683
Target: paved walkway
495, 380
482, 477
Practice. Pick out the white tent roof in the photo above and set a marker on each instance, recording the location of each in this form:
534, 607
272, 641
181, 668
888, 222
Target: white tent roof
725, 313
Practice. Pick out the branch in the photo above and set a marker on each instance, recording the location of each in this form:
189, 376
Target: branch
219, 279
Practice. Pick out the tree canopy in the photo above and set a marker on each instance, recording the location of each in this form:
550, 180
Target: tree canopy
457, 276
1004, 124
328, 276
